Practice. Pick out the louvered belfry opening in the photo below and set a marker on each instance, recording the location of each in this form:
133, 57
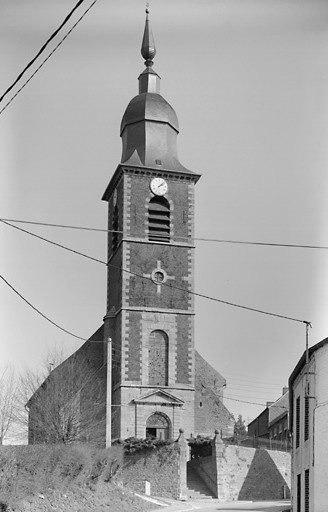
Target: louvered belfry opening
159, 220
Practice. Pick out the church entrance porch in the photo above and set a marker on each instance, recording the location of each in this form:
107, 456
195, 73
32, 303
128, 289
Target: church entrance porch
157, 414
158, 427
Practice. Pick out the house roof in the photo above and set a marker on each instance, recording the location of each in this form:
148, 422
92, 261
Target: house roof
255, 420
297, 370
206, 375
59, 370
274, 410
279, 408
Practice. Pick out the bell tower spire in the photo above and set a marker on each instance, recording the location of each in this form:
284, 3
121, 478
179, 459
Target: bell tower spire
149, 81
148, 50
150, 312
149, 126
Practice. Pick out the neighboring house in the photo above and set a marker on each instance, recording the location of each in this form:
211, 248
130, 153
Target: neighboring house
270, 427
308, 390
259, 427
153, 379
278, 420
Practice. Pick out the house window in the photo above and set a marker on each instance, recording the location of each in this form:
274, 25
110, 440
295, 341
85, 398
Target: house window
158, 352
306, 418
159, 219
306, 490
298, 493
298, 413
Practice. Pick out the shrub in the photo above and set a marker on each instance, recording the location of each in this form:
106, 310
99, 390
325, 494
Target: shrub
201, 446
134, 444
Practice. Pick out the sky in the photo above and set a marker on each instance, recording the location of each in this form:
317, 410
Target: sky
248, 80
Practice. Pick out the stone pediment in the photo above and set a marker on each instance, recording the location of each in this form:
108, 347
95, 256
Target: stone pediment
159, 397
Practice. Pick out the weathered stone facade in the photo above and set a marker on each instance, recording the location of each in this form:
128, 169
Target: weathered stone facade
150, 384
160, 472
241, 473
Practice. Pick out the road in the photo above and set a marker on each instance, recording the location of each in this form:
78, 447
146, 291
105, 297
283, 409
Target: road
214, 506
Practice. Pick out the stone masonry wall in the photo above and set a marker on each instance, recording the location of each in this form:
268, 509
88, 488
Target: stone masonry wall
242, 473
163, 469
210, 412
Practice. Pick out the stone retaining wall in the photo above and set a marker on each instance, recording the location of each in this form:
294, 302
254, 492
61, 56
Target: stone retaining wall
242, 473
158, 472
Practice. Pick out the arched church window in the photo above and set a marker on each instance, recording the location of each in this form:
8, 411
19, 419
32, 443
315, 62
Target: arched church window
115, 228
158, 358
158, 426
159, 219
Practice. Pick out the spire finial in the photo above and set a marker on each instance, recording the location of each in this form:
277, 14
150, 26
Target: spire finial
148, 50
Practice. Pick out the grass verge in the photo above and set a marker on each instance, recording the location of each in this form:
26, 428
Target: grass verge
64, 478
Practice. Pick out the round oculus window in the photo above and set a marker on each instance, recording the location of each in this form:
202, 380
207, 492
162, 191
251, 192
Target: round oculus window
158, 277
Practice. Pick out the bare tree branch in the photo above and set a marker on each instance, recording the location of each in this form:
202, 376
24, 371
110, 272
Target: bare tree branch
8, 395
66, 404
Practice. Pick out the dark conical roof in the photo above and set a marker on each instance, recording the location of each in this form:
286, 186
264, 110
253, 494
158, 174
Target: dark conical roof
149, 106
149, 126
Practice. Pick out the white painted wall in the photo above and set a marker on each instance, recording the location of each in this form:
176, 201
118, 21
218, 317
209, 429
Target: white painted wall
313, 453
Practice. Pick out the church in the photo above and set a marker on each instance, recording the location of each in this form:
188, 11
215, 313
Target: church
143, 358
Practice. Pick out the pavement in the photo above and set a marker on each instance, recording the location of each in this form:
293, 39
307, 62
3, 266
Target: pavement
214, 505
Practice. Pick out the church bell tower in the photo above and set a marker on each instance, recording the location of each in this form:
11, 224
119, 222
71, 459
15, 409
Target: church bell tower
150, 310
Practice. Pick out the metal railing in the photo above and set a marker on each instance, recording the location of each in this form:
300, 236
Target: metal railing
260, 442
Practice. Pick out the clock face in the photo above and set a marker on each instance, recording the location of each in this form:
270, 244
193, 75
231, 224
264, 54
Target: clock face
158, 186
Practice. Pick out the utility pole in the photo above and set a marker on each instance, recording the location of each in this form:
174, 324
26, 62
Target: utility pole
109, 395
307, 360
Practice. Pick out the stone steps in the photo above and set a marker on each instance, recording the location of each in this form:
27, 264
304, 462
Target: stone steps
197, 488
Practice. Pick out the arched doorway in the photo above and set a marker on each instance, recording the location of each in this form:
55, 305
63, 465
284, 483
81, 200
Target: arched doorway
158, 426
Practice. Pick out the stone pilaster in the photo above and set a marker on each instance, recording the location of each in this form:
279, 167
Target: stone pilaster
217, 454
183, 465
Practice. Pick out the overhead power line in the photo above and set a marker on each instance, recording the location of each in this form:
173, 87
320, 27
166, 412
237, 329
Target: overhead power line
91, 340
47, 224
250, 389
38, 311
258, 384
170, 285
179, 238
228, 398
252, 403
42, 50
53, 243
253, 382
